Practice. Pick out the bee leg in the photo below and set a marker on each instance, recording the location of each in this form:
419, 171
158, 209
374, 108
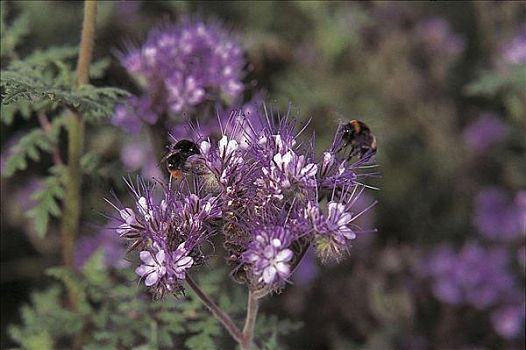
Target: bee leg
352, 153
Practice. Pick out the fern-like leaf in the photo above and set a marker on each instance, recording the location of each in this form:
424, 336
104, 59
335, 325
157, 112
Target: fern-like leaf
47, 201
28, 147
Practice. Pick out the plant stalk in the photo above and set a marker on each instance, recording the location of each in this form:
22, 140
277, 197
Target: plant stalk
250, 321
216, 311
75, 126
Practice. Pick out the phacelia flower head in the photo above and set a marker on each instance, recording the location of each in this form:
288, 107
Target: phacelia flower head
166, 227
179, 67
269, 254
260, 187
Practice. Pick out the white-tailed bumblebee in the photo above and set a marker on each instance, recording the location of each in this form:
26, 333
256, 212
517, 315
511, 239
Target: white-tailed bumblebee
177, 157
359, 137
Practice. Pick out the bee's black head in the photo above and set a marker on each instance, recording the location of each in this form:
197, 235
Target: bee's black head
179, 154
186, 146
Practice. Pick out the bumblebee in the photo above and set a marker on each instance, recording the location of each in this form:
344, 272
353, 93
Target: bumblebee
359, 137
177, 157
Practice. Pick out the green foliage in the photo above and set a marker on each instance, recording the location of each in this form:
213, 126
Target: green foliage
46, 80
11, 34
269, 328
28, 84
118, 314
47, 200
491, 83
44, 321
30, 145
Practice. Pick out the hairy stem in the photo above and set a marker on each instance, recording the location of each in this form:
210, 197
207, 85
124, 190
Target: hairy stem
250, 321
216, 311
75, 127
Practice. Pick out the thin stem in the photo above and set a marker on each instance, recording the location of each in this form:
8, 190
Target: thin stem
216, 311
46, 125
86, 42
250, 321
72, 200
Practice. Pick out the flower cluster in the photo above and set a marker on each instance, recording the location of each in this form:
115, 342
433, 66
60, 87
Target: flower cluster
167, 232
268, 196
483, 276
483, 133
479, 277
499, 218
180, 67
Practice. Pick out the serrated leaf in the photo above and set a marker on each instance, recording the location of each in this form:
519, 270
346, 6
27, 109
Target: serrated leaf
94, 270
47, 201
13, 33
29, 146
90, 162
99, 68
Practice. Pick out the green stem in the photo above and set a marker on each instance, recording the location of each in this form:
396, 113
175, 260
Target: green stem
250, 321
75, 127
218, 313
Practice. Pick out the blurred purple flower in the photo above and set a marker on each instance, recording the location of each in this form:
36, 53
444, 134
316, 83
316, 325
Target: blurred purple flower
438, 39
484, 132
515, 51
24, 196
307, 270
137, 154
508, 321
498, 217
105, 239
179, 67
476, 276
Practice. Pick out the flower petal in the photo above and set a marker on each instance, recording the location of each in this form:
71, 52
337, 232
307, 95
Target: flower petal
146, 257
269, 274
151, 279
284, 256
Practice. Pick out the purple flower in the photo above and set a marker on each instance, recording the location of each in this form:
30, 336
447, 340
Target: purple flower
476, 276
482, 134
335, 229
307, 269
515, 51
156, 265
180, 67
166, 231
438, 39
105, 239
508, 321
269, 254
260, 187
498, 217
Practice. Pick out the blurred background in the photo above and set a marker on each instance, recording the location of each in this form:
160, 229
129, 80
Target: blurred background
442, 85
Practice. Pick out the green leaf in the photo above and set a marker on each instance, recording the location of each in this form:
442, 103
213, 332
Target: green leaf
44, 321
28, 147
12, 34
47, 202
98, 68
491, 83
94, 270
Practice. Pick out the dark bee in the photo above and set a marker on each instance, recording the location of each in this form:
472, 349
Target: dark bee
359, 137
176, 159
